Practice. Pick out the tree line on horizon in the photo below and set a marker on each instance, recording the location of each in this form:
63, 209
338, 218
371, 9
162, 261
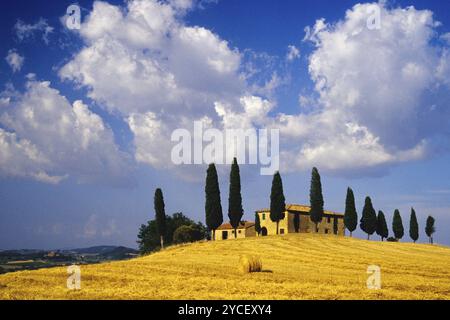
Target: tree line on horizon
370, 221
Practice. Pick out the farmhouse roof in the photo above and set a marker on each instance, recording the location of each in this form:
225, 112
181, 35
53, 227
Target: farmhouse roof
302, 208
242, 225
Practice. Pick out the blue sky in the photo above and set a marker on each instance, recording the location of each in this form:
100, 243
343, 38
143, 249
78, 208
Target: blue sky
86, 115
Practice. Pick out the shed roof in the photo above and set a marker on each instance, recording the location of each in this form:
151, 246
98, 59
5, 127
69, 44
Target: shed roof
242, 225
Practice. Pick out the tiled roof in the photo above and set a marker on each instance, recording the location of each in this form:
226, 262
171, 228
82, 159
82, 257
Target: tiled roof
242, 225
302, 208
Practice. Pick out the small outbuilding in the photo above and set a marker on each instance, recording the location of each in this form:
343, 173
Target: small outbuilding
246, 229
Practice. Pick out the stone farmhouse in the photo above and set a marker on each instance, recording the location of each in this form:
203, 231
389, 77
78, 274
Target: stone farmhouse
332, 223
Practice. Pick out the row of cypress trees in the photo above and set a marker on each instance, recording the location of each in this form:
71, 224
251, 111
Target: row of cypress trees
213, 207
278, 205
372, 223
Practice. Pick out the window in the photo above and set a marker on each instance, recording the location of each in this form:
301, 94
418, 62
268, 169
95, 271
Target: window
328, 220
264, 216
239, 231
326, 231
281, 231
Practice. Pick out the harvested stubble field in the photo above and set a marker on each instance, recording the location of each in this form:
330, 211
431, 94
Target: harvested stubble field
295, 266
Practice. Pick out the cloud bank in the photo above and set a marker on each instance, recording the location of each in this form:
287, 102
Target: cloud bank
379, 92
380, 96
45, 137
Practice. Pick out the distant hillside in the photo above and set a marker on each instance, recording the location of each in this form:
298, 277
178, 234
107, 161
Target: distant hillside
24, 259
93, 250
103, 250
295, 266
118, 251
21, 253
88, 250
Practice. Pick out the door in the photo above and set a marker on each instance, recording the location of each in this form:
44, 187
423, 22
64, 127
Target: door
264, 231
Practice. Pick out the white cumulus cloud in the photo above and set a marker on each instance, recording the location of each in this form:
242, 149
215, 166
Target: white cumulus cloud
143, 63
45, 137
376, 91
379, 92
143, 59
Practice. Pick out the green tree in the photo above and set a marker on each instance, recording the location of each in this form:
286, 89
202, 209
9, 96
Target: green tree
235, 211
413, 226
350, 216
213, 206
178, 219
316, 198
397, 225
148, 237
187, 233
429, 228
160, 215
368, 222
382, 228
277, 200
257, 224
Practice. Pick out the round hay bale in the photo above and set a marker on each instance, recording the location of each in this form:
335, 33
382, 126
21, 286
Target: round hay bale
249, 264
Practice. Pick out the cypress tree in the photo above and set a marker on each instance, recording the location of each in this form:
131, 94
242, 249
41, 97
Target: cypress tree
316, 198
160, 215
382, 229
257, 224
413, 226
397, 225
429, 228
351, 216
213, 207
235, 211
368, 222
277, 200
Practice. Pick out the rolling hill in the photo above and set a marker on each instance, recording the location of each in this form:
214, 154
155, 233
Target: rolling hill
106, 252
295, 266
25, 259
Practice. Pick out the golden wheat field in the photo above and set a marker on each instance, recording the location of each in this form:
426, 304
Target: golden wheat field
296, 266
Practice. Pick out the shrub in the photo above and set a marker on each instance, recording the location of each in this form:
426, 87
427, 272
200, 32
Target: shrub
187, 233
149, 240
391, 239
249, 264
